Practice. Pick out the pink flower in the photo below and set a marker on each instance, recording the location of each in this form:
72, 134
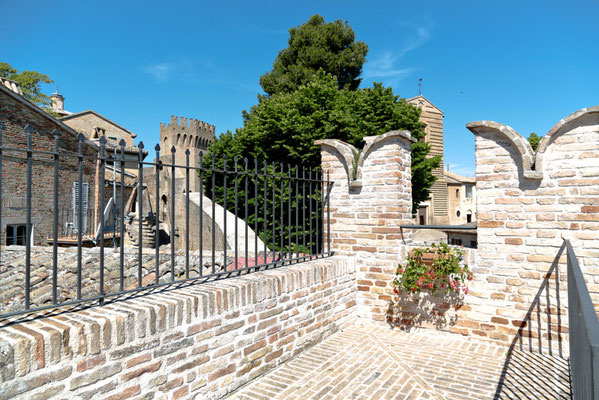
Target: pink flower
465, 289
395, 290
470, 276
430, 285
400, 271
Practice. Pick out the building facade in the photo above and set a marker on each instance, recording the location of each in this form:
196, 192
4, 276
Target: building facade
461, 195
435, 210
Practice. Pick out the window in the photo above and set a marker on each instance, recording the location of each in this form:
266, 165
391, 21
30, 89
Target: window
112, 138
458, 213
84, 205
468, 191
456, 242
468, 218
457, 193
15, 234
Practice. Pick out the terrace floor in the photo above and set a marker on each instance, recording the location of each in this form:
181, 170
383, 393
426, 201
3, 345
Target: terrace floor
368, 361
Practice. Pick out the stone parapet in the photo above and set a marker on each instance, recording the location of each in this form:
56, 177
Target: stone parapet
527, 203
370, 197
202, 340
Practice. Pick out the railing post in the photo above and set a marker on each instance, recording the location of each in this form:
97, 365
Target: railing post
101, 183
157, 229
29, 132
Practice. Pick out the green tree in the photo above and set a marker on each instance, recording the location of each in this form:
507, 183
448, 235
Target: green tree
534, 140
307, 101
30, 82
315, 45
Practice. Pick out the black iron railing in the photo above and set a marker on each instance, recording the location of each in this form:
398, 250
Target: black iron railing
286, 208
584, 333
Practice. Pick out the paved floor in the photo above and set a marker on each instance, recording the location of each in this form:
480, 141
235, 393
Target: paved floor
375, 362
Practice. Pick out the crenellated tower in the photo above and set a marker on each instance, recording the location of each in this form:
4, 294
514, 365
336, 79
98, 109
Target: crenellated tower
186, 134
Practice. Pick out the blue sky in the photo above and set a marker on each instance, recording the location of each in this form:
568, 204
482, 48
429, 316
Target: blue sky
526, 64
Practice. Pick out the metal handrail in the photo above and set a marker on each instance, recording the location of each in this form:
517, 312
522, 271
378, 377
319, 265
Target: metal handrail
303, 193
584, 333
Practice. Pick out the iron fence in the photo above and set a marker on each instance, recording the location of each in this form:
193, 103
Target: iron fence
584, 333
279, 212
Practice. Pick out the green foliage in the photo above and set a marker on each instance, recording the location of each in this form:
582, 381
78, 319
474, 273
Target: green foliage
30, 82
445, 274
316, 45
422, 177
313, 94
279, 202
534, 140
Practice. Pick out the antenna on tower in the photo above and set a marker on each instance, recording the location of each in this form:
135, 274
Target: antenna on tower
420, 87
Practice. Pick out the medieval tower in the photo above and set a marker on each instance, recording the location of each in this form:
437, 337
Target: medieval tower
184, 134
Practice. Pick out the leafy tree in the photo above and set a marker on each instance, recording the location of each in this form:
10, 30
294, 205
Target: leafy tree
315, 45
534, 140
307, 101
30, 82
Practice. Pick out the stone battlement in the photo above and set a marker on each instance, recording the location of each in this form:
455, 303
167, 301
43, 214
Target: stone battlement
195, 125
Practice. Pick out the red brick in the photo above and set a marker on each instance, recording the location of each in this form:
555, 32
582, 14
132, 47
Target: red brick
177, 394
138, 360
138, 372
125, 394
90, 363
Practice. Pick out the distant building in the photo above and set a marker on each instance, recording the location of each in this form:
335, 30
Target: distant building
94, 125
461, 194
435, 210
15, 113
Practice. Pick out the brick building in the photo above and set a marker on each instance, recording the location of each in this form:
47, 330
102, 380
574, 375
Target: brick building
15, 113
435, 210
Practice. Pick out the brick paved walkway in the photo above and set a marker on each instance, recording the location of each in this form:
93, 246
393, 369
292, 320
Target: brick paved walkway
374, 362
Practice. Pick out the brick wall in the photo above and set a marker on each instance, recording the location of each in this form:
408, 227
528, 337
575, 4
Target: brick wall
203, 340
87, 121
527, 203
368, 206
15, 113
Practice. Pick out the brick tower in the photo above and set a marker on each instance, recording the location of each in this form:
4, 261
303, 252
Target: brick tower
184, 134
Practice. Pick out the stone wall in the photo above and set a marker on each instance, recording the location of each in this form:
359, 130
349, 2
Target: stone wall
370, 198
202, 340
